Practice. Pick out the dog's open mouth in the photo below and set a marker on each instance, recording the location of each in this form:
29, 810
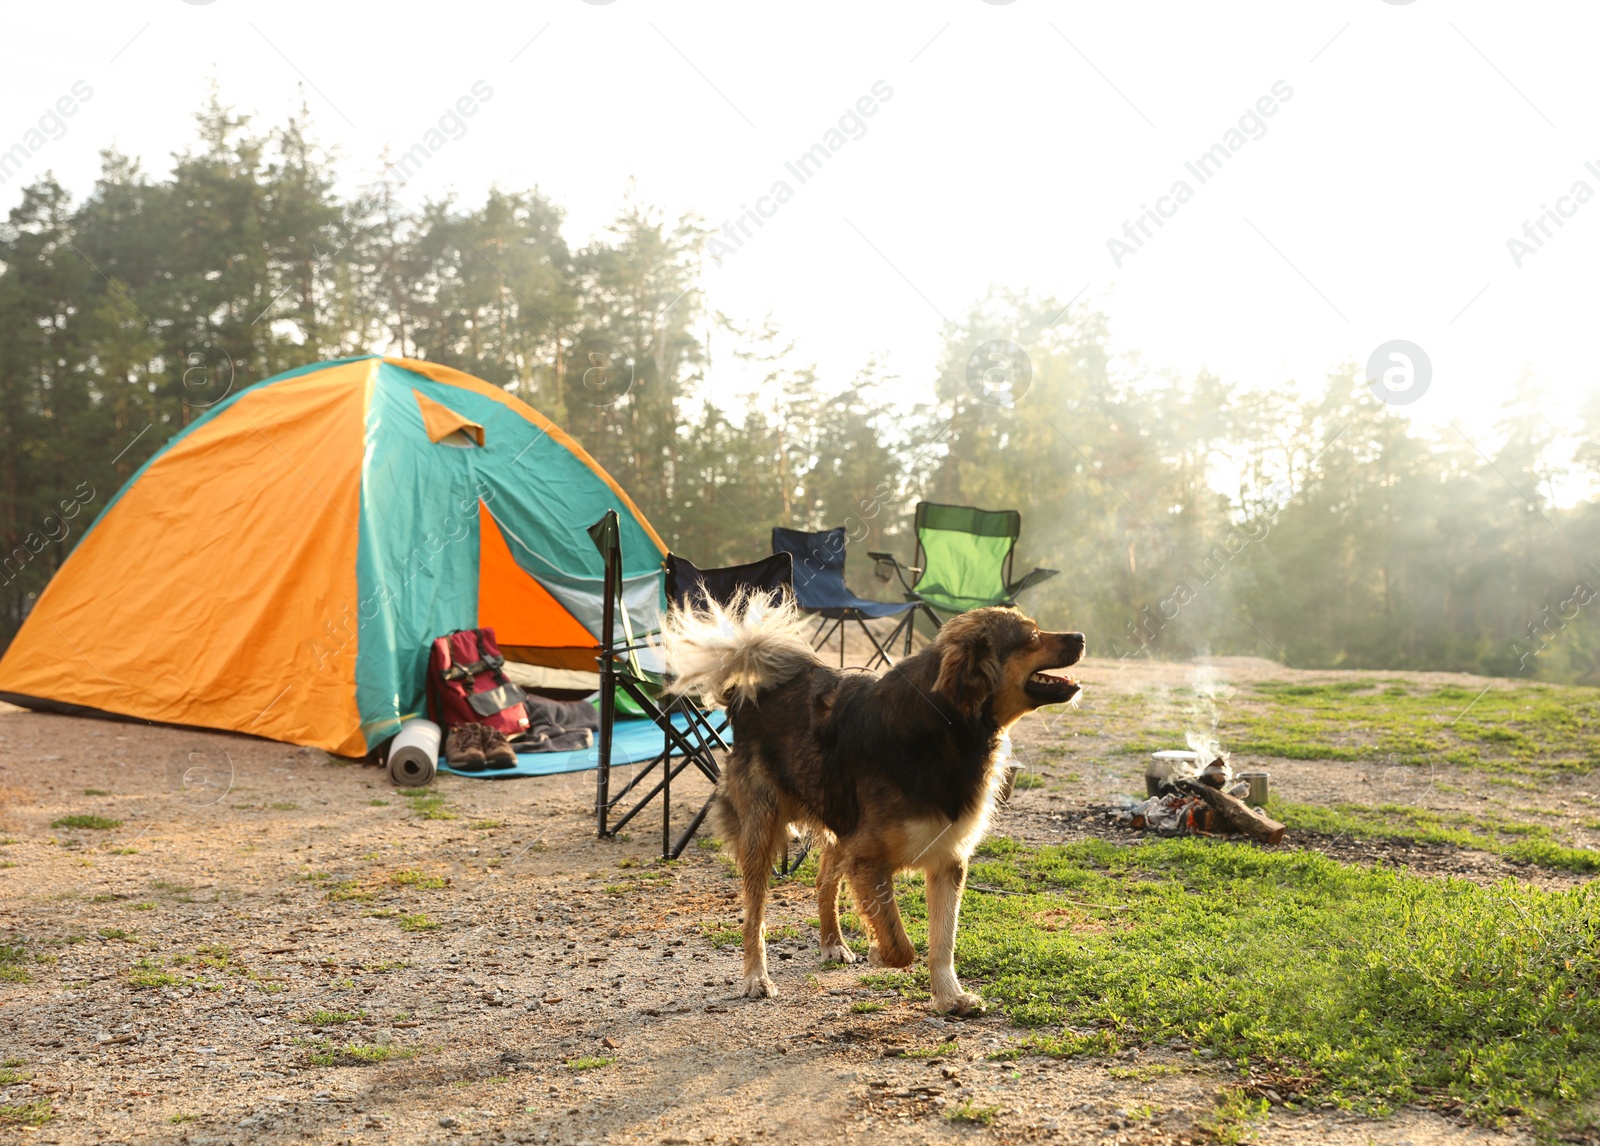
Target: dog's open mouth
1051, 685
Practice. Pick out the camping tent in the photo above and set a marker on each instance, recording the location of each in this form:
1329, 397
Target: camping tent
280, 566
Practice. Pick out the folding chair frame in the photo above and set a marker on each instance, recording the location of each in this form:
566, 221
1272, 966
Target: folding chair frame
828, 626
697, 741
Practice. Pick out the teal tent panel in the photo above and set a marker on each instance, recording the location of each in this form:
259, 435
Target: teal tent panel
417, 559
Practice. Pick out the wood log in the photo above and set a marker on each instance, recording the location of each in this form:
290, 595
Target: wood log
1234, 812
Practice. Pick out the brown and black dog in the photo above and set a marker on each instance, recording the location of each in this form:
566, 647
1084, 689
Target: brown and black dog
894, 772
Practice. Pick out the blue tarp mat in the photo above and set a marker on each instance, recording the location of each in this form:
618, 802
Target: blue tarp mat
632, 742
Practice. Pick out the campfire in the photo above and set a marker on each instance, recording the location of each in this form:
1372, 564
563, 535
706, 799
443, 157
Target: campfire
1197, 793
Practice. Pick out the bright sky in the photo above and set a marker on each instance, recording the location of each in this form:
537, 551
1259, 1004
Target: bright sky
1008, 142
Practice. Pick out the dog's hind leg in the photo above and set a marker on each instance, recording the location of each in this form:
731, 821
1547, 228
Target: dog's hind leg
830, 870
945, 884
757, 838
873, 884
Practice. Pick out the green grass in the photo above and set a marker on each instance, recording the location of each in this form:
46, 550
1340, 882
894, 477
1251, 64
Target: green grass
11, 959
179, 1119
286, 806
350, 891
418, 922
1064, 1045
1026, 780
720, 934
214, 955
590, 1062
942, 1050
321, 1052
865, 1008
37, 1112
1538, 731
95, 792
147, 974
1383, 987
1548, 854
89, 823
972, 1115
13, 1077
417, 879
1514, 839
1230, 1123
427, 804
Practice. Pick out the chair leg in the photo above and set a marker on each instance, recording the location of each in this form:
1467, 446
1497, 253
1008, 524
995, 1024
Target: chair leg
694, 743
602, 776
894, 634
694, 826
881, 653
790, 864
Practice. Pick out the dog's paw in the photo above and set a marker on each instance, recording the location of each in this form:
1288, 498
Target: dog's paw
897, 960
758, 987
837, 953
961, 1003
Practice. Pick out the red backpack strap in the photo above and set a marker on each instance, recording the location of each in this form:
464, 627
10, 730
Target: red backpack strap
438, 662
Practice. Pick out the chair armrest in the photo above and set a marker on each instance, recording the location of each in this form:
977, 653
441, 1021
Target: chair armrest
1031, 580
900, 570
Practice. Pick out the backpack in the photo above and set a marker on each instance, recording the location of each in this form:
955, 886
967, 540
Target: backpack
466, 684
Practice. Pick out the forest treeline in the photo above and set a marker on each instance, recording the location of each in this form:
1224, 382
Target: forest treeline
1186, 515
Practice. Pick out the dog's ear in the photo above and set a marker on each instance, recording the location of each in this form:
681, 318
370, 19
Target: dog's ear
969, 672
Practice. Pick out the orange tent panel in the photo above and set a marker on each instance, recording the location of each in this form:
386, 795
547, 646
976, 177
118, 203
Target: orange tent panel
195, 644
519, 609
441, 421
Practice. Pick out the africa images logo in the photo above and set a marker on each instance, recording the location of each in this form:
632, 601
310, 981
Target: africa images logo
1398, 372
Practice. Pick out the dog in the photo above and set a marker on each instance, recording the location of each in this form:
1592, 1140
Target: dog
894, 772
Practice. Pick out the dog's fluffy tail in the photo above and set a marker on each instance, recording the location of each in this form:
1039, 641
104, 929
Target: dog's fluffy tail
716, 653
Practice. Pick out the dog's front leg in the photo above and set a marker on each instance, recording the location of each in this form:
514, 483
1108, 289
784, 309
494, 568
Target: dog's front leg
945, 884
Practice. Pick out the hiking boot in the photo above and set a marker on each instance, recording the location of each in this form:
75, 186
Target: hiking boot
463, 750
497, 749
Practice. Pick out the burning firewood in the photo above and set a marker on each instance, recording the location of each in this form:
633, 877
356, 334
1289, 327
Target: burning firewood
1235, 813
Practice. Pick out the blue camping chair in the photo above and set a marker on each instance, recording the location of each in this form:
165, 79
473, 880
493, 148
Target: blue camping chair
819, 589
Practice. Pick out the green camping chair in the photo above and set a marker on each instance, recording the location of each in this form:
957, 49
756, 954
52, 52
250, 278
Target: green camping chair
963, 562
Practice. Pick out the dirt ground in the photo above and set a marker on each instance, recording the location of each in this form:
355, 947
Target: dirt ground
193, 973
